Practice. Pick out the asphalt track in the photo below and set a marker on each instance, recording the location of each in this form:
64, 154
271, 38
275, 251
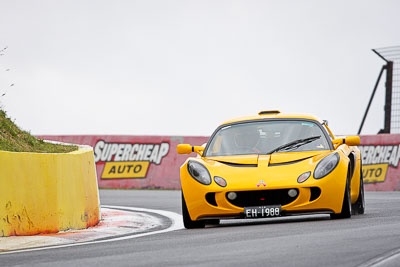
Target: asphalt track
372, 239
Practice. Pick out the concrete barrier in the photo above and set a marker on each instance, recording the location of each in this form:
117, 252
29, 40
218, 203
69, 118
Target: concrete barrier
47, 192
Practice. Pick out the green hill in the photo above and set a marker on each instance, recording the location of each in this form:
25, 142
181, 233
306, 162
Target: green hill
14, 139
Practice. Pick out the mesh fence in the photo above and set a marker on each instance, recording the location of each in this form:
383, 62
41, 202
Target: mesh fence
393, 54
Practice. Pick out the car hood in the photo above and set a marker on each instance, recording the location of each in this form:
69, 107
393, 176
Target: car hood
276, 158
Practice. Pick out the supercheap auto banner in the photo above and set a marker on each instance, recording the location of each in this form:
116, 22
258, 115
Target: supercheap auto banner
135, 161
380, 159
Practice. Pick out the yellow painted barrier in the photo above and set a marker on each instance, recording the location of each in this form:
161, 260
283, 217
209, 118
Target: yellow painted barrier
47, 192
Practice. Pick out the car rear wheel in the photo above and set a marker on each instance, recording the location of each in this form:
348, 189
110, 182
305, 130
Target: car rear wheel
359, 206
346, 206
187, 222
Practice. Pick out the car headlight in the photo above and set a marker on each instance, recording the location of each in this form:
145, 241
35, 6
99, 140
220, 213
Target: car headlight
220, 181
326, 165
199, 172
302, 178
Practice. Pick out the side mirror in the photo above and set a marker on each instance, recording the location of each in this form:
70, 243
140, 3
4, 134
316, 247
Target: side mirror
352, 140
348, 140
187, 149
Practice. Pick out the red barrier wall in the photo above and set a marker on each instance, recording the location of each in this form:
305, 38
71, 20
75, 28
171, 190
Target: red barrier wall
380, 157
152, 162
135, 161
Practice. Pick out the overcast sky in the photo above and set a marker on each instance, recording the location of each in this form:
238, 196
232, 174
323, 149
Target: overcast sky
182, 67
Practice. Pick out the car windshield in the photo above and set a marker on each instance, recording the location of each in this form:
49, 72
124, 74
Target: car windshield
264, 137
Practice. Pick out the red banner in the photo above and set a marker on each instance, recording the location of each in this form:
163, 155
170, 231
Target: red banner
135, 161
380, 158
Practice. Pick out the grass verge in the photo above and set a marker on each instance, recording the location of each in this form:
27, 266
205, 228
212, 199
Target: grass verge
14, 139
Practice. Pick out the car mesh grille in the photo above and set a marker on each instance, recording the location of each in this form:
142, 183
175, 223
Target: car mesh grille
262, 198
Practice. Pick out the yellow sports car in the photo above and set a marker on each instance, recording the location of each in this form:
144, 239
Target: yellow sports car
268, 165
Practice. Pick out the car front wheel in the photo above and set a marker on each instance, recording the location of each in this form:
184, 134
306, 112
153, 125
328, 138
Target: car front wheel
346, 206
187, 222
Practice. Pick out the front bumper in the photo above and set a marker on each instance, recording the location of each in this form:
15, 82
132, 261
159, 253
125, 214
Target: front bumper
210, 201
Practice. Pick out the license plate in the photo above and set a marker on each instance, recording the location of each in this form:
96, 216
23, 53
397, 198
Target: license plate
262, 211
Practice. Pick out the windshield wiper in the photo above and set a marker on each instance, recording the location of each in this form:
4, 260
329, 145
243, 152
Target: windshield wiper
294, 144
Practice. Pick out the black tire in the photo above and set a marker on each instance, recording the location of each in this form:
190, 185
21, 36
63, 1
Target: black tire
359, 206
187, 222
346, 206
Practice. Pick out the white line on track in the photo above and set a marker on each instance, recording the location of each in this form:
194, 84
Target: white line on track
390, 258
176, 224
